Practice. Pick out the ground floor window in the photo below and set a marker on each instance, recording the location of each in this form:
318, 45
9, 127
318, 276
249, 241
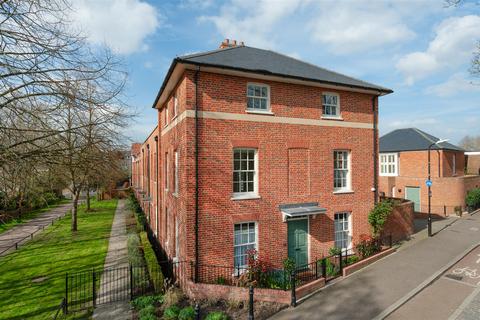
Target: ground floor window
343, 237
245, 238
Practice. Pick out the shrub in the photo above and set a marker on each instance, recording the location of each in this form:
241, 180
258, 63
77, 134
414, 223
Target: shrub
378, 216
144, 301
331, 268
171, 313
258, 269
147, 311
352, 259
148, 317
217, 315
334, 251
153, 267
473, 198
187, 313
367, 246
221, 280
172, 297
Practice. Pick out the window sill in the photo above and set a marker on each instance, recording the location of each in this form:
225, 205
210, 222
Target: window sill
175, 194
175, 259
270, 113
343, 191
332, 118
245, 197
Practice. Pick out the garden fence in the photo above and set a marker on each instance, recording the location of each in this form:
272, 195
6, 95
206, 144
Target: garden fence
87, 289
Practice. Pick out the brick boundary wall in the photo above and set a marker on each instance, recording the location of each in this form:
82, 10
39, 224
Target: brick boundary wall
400, 223
363, 263
216, 291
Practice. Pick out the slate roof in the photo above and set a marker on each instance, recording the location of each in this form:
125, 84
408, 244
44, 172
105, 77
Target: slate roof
412, 139
268, 62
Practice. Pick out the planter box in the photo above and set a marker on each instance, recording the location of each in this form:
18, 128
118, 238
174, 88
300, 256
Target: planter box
365, 262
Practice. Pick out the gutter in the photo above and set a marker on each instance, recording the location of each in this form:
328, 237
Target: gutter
375, 149
196, 176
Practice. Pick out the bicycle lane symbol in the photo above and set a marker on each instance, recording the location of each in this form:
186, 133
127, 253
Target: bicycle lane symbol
469, 273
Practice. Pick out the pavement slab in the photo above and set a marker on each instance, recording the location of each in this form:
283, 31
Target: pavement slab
114, 284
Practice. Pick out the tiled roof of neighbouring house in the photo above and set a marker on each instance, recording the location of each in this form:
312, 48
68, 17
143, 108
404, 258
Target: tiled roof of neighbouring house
412, 139
268, 62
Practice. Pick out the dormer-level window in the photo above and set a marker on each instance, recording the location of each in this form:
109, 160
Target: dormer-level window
388, 164
330, 105
258, 97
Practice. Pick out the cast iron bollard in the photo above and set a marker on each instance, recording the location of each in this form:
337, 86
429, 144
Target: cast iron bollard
250, 304
197, 311
390, 241
131, 281
294, 294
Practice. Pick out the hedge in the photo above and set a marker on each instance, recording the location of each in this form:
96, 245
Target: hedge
153, 267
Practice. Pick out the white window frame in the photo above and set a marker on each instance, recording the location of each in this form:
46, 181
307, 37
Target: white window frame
348, 249
248, 194
348, 187
267, 98
166, 116
244, 244
338, 114
175, 105
384, 164
176, 185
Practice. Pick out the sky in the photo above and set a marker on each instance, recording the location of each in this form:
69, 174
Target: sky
420, 49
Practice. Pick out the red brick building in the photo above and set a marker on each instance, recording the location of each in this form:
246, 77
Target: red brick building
255, 149
404, 171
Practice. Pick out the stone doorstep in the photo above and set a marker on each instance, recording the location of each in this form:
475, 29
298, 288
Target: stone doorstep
365, 262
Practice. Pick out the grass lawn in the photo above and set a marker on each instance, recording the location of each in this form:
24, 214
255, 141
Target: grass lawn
55, 252
29, 215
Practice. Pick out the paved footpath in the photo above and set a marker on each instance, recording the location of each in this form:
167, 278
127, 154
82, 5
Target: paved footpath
375, 291
114, 285
21, 232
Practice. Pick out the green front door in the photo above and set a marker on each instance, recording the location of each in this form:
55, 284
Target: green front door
413, 194
298, 241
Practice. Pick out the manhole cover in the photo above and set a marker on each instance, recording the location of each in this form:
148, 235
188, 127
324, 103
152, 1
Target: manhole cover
454, 277
39, 279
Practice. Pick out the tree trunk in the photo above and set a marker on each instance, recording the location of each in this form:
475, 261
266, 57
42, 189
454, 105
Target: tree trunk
88, 198
76, 195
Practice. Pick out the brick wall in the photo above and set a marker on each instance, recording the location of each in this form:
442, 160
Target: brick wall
400, 222
295, 164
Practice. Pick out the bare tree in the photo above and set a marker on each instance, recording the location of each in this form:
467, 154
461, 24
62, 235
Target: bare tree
60, 101
470, 143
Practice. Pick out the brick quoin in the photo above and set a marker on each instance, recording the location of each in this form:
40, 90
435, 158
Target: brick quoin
295, 165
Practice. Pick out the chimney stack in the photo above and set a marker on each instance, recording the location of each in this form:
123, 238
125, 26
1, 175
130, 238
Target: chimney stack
227, 43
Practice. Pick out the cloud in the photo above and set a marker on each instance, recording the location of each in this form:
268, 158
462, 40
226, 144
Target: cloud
356, 26
456, 84
121, 25
452, 46
252, 21
412, 122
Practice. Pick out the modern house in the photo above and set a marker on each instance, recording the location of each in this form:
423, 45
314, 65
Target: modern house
258, 150
404, 171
